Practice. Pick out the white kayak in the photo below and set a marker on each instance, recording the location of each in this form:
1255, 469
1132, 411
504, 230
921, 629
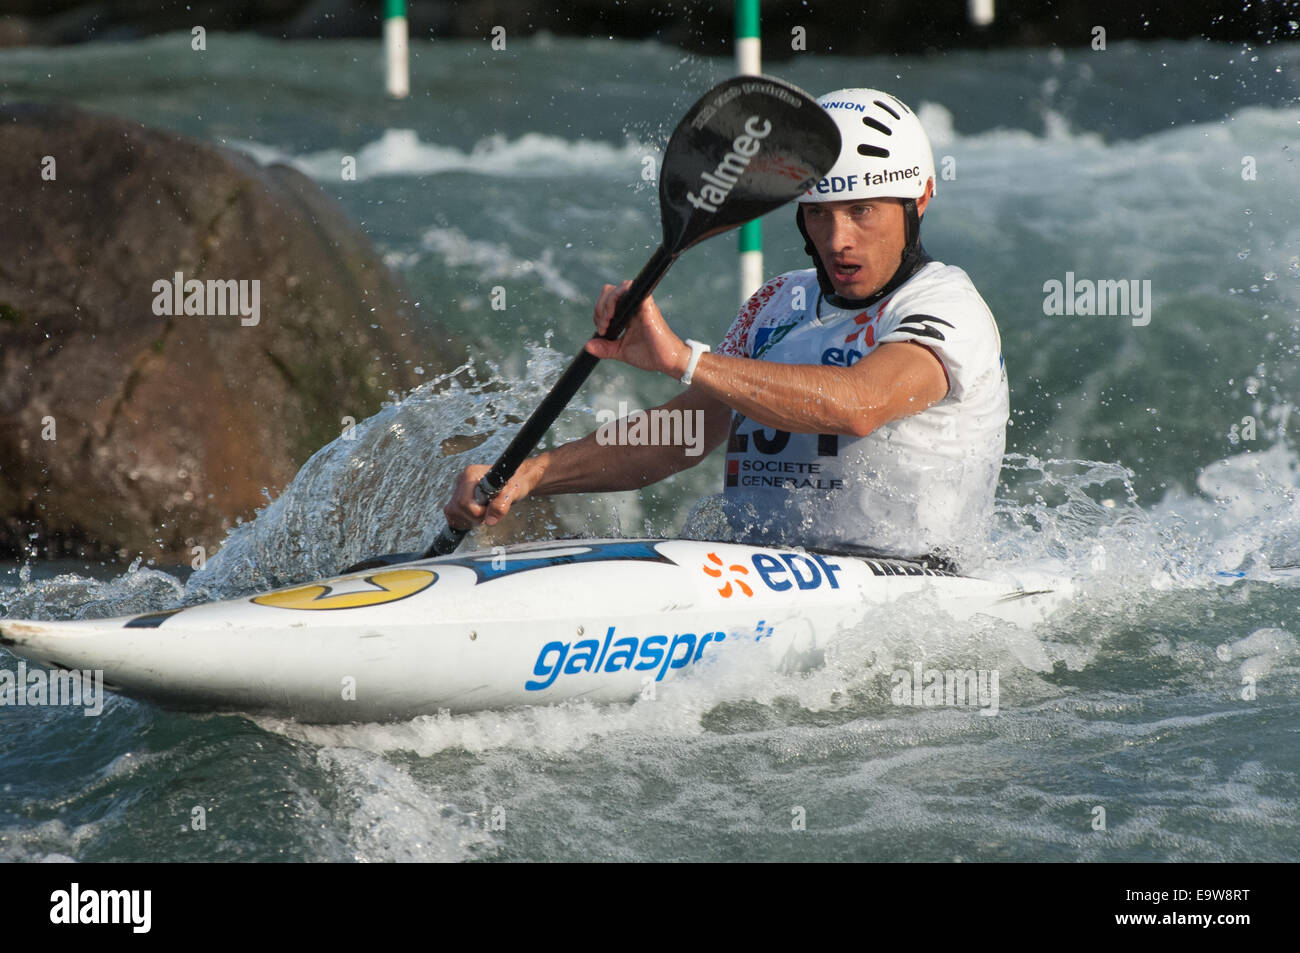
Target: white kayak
536, 623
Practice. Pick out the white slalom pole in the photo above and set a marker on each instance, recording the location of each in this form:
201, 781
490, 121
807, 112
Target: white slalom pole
397, 52
749, 62
980, 12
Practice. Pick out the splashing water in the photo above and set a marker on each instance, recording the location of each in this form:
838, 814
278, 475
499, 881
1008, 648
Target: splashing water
381, 487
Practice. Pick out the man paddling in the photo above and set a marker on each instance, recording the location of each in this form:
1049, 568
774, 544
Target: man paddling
863, 401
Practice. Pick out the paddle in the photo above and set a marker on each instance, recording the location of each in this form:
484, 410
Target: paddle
751, 144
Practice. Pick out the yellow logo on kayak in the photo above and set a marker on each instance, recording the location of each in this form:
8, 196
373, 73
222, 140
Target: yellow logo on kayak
353, 593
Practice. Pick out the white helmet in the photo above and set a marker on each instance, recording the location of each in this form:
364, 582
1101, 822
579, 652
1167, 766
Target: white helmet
884, 152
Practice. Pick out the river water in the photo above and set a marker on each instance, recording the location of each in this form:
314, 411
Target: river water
1151, 460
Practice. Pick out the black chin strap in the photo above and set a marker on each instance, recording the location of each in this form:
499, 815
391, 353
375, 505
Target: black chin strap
913, 259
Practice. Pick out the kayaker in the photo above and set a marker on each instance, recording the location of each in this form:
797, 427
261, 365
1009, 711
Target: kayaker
863, 401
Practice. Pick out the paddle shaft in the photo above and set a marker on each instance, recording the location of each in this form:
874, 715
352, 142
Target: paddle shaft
535, 428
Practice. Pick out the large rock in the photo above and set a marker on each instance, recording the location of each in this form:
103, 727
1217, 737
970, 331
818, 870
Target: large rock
166, 428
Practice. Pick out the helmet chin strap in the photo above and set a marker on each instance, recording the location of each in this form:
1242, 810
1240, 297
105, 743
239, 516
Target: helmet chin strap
913, 258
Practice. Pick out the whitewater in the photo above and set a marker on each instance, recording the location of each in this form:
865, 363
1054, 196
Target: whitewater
1153, 465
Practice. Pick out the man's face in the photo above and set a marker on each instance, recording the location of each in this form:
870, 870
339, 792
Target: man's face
860, 241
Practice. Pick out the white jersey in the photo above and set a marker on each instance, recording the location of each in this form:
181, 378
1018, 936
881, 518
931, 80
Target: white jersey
919, 484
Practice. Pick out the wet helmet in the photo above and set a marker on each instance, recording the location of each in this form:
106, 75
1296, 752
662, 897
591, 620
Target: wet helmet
884, 153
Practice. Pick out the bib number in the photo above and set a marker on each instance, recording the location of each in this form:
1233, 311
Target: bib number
828, 444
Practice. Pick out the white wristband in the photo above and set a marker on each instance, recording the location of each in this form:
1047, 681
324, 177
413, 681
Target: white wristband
696, 350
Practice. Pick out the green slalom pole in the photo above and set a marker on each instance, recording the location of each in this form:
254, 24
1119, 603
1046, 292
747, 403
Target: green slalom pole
397, 52
749, 61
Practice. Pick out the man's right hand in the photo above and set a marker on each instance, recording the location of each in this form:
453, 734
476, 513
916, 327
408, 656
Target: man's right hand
648, 343
464, 513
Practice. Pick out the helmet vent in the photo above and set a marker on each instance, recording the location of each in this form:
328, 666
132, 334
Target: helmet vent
877, 125
875, 152
886, 108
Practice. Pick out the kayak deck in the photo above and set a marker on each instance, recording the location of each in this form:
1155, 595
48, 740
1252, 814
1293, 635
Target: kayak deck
534, 623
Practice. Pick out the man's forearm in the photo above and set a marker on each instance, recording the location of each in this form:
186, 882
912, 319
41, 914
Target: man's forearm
587, 466
799, 398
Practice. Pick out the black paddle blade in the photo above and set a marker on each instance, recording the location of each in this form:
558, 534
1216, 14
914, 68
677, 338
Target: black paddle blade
750, 145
